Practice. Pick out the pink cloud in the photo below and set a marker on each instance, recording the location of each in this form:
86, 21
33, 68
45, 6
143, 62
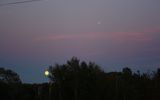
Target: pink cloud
116, 36
133, 36
58, 37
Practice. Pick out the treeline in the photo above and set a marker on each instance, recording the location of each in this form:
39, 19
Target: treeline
77, 80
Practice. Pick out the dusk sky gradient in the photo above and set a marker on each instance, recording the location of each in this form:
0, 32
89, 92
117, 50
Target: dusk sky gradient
112, 33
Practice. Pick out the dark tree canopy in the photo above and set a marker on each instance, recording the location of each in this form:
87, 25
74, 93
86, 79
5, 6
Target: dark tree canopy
9, 76
80, 80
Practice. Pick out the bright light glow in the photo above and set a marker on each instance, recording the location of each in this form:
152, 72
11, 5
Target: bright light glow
46, 73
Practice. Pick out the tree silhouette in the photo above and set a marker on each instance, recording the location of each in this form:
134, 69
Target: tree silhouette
78, 78
9, 76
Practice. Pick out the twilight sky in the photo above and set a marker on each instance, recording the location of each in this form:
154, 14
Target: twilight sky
112, 33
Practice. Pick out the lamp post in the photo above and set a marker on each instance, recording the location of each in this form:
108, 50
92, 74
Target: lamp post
47, 73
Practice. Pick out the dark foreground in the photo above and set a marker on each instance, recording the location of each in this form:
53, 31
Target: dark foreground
114, 86
82, 81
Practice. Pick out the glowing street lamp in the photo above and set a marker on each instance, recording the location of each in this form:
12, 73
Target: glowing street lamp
46, 73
